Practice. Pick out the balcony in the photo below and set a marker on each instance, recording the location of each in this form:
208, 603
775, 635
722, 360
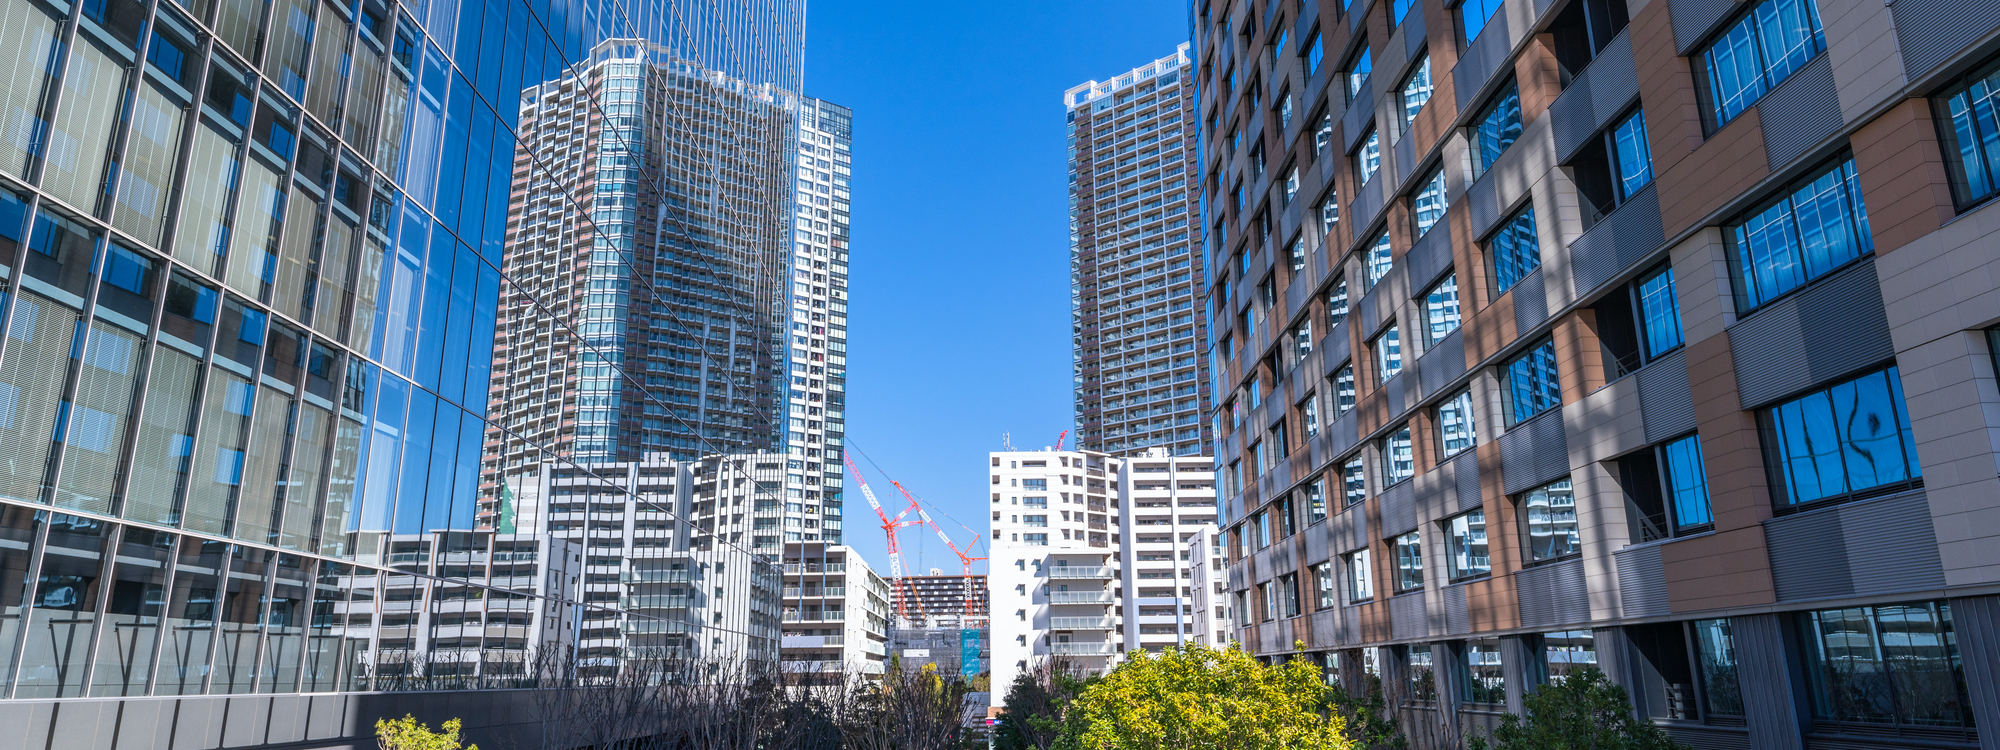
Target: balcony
1081, 571
796, 568
1082, 623
1080, 597
656, 576
1083, 649
813, 641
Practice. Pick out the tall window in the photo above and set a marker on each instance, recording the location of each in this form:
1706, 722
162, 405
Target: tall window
1465, 546
1399, 461
1567, 652
1659, 312
1441, 308
1416, 88
1315, 501
1455, 428
1367, 159
1291, 182
1473, 15
1421, 680
1532, 386
1428, 205
1379, 259
1810, 231
1500, 124
1323, 586
1715, 662
1409, 562
1389, 353
1633, 155
1841, 441
1336, 302
1360, 588
1548, 519
1329, 215
1353, 482
1972, 142
1343, 390
1261, 526
1894, 664
1323, 132
1312, 53
1358, 69
1687, 482
1773, 39
1309, 414
1516, 250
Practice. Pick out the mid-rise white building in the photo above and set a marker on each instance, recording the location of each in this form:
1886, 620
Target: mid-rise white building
1090, 558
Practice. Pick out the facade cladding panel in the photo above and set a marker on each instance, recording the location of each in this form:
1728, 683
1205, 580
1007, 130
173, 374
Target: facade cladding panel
1135, 274
351, 313
1782, 499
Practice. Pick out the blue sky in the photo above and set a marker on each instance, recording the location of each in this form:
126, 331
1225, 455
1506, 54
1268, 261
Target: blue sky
959, 324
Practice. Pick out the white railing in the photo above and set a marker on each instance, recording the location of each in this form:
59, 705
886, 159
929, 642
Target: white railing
1080, 597
1080, 571
813, 641
1082, 623
1083, 649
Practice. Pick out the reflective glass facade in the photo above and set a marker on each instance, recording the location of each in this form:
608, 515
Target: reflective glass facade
274, 273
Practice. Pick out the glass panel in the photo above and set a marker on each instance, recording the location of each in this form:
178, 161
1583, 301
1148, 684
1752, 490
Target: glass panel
1353, 482
39, 335
1827, 236
1569, 651
285, 623
1466, 543
99, 419
1358, 586
132, 615
1486, 682
1715, 648
1409, 562
65, 610
1687, 482
314, 428
30, 49
364, 102
329, 621
1398, 456
1789, 34
332, 264
253, 265
343, 488
191, 615
329, 79
1429, 204
1634, 155
152, 154
166, 439
1416, 88
291, 37
242, 614
1735, 74
263, 468
1441, 308
1532, 382
1369, 158
201, 235
18, 527
218, 465
94, 91
1849, 437
1550, 512
1455, 427
1660, 312
1423, 679
1500, 126
129, 288
294, 290
1975, 134
1389, 353
1517, 252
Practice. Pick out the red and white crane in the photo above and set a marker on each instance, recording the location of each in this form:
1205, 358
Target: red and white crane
889, 527
970, 594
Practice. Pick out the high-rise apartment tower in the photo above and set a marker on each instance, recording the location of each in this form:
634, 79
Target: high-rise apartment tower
1650, 335
1135, 274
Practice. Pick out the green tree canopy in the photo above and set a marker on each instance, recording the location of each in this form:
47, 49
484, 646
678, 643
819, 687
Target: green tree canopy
1198, 698
406, 734
1583, 711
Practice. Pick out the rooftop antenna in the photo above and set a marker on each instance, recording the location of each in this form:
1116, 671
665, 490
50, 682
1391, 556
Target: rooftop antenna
1007, 442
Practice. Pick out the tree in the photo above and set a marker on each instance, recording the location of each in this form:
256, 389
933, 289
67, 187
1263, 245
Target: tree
1031, 717
1583, 711
406, 734
1198, 698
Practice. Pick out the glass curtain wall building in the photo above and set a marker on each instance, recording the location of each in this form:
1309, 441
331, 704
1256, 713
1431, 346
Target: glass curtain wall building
253, 258
1137, 329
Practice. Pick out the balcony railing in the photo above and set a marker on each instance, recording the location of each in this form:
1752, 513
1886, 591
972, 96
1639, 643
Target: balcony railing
1080, 597
1083, 649
656, 576
1080, 571
1082, 623
813, 641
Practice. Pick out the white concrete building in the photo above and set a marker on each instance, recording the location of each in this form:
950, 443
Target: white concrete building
1089, 555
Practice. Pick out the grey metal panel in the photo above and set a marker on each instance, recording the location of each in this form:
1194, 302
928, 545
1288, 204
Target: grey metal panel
1830, 330
1482, 202
85, 725
1465, 472
1317, 547
1642, 582
1430, 258
1535, 452
143, 725
288, 719
1457, 617
1977, 622
1367, 205
1770, 700
1693, 19
1399, 508
1408, 617
1483, 60
1624, 237
1666, 405
1239, 577
1531, 301
1553, 594
1442, 363
1709, 738
1799, 113
1398, 392
198, 724
26, 723
1405, 163
1413, 32
1354, 121
1357, 14
1878, 546
1931, 31
1343, 433
1338, 347
1599, 93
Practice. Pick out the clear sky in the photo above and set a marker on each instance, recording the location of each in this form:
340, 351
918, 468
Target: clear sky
959, 322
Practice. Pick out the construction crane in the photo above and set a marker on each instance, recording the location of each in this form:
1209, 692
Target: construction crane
1061, 438
889, 527
969, 596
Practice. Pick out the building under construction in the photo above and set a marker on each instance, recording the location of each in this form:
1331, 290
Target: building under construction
941, 601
